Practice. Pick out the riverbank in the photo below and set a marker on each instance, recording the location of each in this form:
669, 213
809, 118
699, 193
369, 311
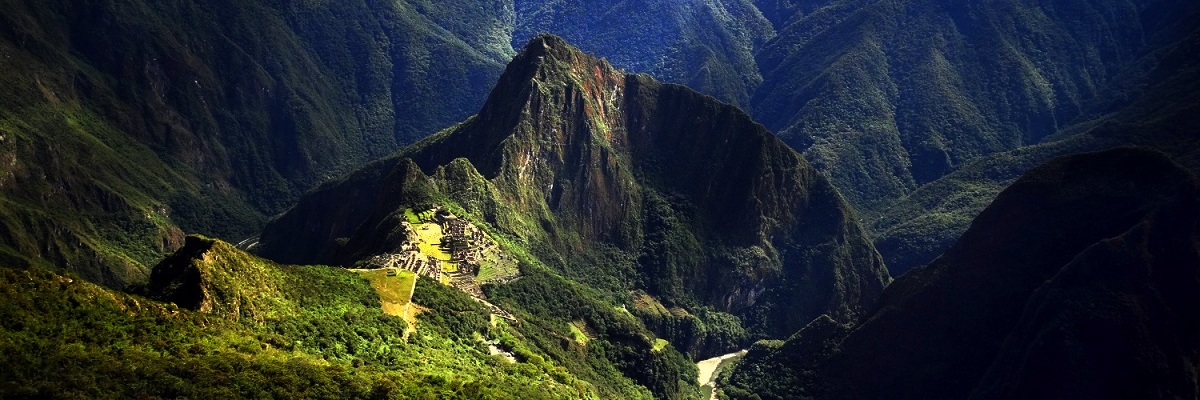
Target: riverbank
708, 371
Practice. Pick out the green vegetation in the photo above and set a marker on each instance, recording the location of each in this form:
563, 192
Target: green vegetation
430, 241
577, 332
917, 228
629, 215
620, 353
701, 333
885, 96
215, 117
454, 313
317, 332
411, 217
395, 292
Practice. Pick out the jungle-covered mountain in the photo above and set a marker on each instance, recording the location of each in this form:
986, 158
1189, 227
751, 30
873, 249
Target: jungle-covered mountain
887, 97
1154, 104
618, 182
123, 124
629, 224
1079, 280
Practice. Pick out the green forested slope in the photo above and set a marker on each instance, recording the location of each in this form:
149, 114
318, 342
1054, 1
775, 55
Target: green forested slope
597, 188
581, 169
887, 96
269, 331
1155, 105
1077, 281
120, 122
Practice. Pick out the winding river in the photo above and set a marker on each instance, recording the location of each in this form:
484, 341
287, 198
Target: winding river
708, 370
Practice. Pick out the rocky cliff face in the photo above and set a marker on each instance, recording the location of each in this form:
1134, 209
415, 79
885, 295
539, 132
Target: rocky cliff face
616, 180
1079, 280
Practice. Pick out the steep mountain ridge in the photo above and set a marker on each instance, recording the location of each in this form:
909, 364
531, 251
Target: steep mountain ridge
1106, 309
887, 96
123, 123
1154, 106
581, 165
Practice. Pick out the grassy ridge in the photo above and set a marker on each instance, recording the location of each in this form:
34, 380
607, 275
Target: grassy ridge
707, 45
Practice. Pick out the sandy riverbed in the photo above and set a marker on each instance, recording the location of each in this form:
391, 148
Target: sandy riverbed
708, 368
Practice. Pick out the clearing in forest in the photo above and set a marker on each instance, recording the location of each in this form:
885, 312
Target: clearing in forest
395, 292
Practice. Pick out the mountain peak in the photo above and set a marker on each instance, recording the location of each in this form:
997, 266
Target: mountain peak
580, 160
549, 58
544, 43
548, 78
549, 45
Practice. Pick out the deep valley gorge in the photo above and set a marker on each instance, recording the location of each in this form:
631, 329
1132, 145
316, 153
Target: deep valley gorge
500, 199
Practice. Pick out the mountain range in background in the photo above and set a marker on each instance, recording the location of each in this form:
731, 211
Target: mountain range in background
600, 227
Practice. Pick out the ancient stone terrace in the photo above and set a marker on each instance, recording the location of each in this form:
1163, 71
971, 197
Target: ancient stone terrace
450, 250
410, 261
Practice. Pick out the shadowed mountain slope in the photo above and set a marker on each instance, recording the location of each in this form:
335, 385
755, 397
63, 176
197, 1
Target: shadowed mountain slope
1156, 105
1079, 280
707, 45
